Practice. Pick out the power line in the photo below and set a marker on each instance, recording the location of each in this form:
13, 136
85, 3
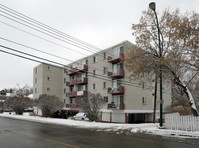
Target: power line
35, 49
95, 76
43, 38
93, 51
58, 38
44, 52
44, 25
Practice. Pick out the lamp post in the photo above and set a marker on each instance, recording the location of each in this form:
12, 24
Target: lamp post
152, 7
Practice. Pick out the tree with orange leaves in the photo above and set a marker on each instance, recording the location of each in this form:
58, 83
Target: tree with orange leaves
180, 50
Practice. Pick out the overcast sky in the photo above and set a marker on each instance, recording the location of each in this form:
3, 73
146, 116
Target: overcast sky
101, 23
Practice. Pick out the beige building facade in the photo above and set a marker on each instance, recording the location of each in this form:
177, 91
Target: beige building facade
104, 73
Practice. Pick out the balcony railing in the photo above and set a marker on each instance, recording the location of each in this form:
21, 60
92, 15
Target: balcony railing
77, 94
74, 71
116, 91
71, 83
77, 82
113, 106
117, 59
118, 75
82, 81
71, 106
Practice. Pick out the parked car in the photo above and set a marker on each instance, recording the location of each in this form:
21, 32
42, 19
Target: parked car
81, 117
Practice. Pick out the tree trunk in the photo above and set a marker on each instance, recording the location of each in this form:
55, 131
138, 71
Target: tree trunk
189, 96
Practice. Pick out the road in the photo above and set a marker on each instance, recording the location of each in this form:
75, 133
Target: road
25, 134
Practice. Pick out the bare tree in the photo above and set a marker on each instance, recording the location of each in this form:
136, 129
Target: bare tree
179, 48
91, 105
22, 91
49, 104
18, 104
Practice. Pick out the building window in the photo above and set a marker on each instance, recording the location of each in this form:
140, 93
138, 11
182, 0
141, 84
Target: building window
48, 78
143, 100
94, 59
72, 77
48, 89
64, 101
105, 98
48, 67
94, 72
35, 70
105, 56
35, 90
117, 100
35, 80
94, 86
143, 85
71, 100
64, 80
105, 70
105, 85
64, 90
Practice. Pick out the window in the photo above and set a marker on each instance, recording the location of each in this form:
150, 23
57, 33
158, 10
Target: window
94, 72
105, 85
35, 90
64, 80
94, 59
105, 98
65, 71
71, 100
143, 100
105, 70
64, 100
94, 86
48, 89
35, 70
35, 80
118, 100
72, 77
85, 62
64, 90
105, 56
48, 67
48, 78
143, 85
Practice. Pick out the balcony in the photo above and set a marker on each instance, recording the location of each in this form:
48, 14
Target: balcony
74, 71
77, 82
115, 60
116, 91
82, 81
77, 94
71, 83
72, 94
71, 106
118, 75
113, 106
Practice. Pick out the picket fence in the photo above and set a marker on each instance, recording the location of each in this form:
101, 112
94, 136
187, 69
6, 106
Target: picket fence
185, 123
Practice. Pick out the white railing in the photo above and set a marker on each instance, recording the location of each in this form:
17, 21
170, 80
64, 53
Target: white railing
185, 123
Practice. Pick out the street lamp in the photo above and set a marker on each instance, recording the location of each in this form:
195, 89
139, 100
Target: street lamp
152, 7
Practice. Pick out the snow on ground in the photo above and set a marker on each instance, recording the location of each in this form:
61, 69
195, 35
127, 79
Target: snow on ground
148, 128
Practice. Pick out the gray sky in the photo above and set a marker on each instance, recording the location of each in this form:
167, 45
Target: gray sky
101, 23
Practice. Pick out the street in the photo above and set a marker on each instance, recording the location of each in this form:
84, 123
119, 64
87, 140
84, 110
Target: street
25, 134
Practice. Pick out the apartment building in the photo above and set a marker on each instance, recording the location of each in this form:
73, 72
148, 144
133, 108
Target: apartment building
104, 73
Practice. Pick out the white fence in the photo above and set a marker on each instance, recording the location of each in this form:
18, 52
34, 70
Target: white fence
185, 123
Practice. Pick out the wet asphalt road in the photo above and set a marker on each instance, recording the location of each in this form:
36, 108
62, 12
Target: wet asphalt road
25, 134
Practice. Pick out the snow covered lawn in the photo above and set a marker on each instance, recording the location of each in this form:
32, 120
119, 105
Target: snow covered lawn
148, 128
